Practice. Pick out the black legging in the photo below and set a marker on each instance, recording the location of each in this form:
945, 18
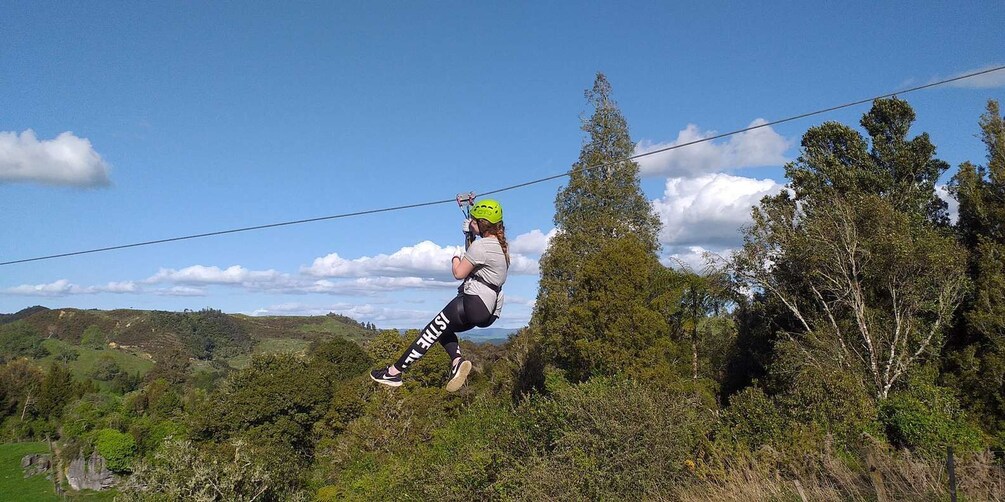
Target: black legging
461, 314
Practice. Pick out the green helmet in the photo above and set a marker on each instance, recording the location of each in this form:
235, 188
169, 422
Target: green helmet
487, 209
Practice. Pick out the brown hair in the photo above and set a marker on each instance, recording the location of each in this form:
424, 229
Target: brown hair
497, 230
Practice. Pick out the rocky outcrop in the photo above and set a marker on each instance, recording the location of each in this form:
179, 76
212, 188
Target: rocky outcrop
35, 464
89, 474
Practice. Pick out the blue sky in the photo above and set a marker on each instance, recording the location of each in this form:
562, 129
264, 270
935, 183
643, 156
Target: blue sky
125, 122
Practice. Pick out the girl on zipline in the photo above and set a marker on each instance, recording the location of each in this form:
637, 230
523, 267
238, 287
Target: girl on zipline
483, 268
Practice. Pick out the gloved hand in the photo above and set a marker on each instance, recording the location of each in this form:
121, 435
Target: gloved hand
466, 226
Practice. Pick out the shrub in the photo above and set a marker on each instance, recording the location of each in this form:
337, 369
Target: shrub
751, 421
117, 448
615, 439
927, 419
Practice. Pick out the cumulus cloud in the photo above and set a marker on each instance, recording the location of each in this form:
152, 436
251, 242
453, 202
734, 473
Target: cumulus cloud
756, 148
65, 160
986, 81
199, 274
532, 243
64, 287
426, 259
180, 291
368, 285
709, 210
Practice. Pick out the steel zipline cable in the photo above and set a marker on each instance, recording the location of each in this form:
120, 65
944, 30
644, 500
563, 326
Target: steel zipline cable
512, 187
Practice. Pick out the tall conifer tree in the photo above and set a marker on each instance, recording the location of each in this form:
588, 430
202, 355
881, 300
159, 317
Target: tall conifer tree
980, 190
595, 272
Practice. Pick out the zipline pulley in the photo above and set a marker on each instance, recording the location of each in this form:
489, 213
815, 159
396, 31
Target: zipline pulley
466, 201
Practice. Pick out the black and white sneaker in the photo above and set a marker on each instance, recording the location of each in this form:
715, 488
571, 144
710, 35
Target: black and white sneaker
381, 376
458, 375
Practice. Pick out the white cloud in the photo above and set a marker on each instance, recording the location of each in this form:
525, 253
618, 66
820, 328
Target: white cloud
65, 160
756, 148
425, 259
180, 291
368, 285
709, 210
64, 287
61, 287
532, 243
199, 274
120, 287
986, 81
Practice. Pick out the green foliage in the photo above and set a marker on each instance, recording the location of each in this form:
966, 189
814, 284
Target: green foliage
208, 333
927, 419
751, 421
18, 339
58, 388
977, 363
596, 269
92, 412
856, 253
19, 385
181, 470
130, 364
105, 369
64, 354
825, 397
21, 314
93, 338
610, 328
117, 448
615, 439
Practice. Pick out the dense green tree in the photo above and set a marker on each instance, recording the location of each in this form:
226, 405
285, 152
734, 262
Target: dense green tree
856, 253
117, 448
57, 390
93, 338
978, 363
18, 339
106, 368
20, 381
600, 213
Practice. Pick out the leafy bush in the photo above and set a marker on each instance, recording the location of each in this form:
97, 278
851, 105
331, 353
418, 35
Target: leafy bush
927, 419
751, 421
117, 448
615, 439
181, 470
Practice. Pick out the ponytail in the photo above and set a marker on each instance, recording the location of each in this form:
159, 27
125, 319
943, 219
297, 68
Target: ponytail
497, 230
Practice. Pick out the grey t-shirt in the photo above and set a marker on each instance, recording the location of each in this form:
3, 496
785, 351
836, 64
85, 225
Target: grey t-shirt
490, 266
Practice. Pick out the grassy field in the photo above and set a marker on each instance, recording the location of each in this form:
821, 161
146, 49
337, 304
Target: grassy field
81, 368
13, 485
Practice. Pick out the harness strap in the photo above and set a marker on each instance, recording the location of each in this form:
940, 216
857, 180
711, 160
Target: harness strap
493, 287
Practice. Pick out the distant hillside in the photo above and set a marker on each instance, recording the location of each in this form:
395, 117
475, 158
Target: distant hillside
484, 335
8, 318
200, 335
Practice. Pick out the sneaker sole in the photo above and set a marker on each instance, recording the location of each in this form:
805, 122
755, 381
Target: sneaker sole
386, 382
462, 375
